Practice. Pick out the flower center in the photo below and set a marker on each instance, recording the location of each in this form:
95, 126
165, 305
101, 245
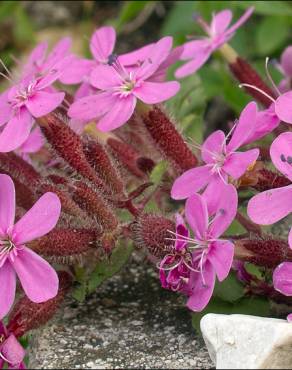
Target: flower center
127, 79
23, 94
7, 249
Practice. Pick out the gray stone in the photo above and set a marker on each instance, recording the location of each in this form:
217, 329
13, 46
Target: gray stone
126, 324
248, 342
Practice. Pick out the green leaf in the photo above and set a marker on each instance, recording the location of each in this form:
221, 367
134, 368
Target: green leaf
267, 7
129, 11
271, 34
23, 29
229, 290
79, 292
7, 9
256, 306
158, 172
107, 269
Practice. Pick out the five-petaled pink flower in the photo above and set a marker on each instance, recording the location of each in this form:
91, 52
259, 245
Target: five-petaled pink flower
197, 52
222, 159
272, 205
38, 279
211, 256
31, 98
120, 89
11, 351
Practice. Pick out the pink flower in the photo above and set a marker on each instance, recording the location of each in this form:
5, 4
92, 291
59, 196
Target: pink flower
272, 205
120, 89
285, 68
211, 256
39, 63
222, 159
28, 99
197, 52
11, 351
32, 144
38, 279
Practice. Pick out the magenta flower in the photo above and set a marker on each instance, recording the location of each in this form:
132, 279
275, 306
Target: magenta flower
39, 63
38, 279
174, 269
197, 52
30, 98
11, 351
272, 205
211, 256
120, 89
222, 159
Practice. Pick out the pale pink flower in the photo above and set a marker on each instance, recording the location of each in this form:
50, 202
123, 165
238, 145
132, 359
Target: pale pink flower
32, 144
197, 52
211, 256
272, 205
38, 279
222, 159
30, 98
120, 89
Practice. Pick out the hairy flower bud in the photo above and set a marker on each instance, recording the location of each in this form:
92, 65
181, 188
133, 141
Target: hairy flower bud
66, 242
126, 155
263, 252
152, 233
95, 205
168, 140
243, 71
270, 180
27, 315
104, 167
68, 145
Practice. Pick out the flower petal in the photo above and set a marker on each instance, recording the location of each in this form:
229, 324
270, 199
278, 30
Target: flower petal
221, 21
220, 254
7, 203
76, 71
201, 290
213, 145
281, 154
44, 102
36, 59
137, 56
194, 47
54, 73
8, 286
240, 21
290, 238
91, 107
237, 163
156, 92
193, 65
39, 220
270, 206
13, 351
196, 212
181, 230
283, 107
16, 131
105, 77
286, 61
157, 54
102, 43
246, 124
38, 279
226, 211
190, 182
34, 142
5, 108
282, 278
119, 114
59, 52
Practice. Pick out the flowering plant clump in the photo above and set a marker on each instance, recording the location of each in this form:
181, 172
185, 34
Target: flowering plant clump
75, 160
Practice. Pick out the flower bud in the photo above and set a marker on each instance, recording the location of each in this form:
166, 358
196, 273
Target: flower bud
168, 140
27, 315
152, 233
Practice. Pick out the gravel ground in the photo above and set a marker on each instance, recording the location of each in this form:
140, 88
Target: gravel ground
130, 323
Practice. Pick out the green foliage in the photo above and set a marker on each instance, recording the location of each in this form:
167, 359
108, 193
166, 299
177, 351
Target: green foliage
87, 283
158, 172
229, 290
248, 306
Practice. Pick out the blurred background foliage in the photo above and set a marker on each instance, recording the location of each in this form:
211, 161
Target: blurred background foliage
207, 100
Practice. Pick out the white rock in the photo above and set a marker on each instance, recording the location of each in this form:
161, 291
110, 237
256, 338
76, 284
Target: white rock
248, 342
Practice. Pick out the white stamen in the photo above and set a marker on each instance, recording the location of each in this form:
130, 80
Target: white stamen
258, 90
